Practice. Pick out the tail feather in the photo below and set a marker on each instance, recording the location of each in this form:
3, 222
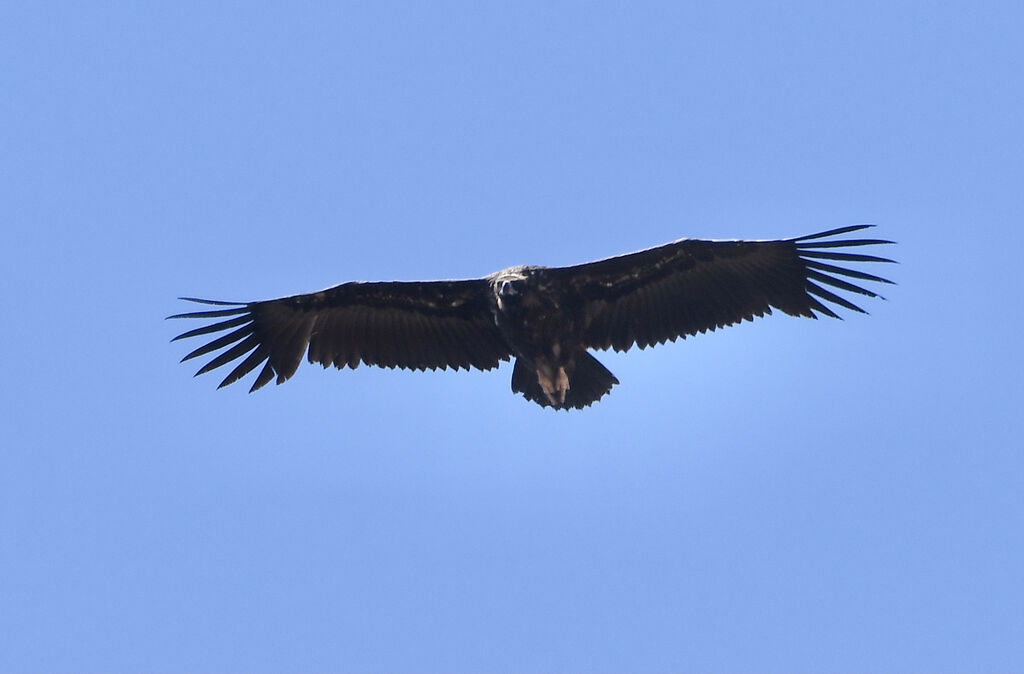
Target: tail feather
589, 381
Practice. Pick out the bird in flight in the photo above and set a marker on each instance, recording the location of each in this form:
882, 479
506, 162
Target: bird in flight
546, 318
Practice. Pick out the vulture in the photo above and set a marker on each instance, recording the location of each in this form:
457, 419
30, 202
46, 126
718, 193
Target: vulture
546, 318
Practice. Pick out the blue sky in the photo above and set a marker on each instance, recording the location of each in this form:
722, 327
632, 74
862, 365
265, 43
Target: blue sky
786, 495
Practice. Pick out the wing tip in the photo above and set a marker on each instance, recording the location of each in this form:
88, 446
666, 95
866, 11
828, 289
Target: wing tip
812, 251
236, 308
219, 303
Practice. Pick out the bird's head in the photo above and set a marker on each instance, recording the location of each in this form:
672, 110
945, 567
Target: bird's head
510, 284
508, 288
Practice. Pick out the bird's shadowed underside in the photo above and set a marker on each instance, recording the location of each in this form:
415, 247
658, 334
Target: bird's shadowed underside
546, 318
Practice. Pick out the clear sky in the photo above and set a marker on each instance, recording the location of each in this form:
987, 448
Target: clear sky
784, 495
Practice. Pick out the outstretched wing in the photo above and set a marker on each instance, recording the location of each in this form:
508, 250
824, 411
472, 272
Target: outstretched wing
414, 325
692, 286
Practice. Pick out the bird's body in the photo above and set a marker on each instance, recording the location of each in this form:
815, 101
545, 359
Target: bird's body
547, 318
540, 323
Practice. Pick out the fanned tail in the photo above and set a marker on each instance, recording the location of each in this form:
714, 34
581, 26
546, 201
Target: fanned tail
589, 381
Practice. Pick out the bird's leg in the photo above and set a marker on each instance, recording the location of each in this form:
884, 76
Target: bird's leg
554, 383
563, 384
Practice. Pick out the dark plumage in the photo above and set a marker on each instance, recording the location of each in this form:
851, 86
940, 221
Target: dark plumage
545, 317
